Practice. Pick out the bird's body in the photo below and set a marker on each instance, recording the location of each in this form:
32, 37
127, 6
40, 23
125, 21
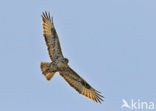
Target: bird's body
60, 64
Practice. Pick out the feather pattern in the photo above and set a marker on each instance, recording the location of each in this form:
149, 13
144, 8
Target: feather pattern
80, 85
61, 63
51, 37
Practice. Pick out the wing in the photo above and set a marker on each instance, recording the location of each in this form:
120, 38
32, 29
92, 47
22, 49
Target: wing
51, 37
80, 85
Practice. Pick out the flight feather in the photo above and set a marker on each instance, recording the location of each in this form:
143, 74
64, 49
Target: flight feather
80, 85
51, 37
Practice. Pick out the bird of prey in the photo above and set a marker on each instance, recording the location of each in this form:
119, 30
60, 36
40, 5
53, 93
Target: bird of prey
60, 64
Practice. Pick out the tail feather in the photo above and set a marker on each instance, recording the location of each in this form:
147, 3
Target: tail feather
44, 67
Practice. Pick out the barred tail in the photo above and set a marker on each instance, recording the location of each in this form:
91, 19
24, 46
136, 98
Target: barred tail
44, 67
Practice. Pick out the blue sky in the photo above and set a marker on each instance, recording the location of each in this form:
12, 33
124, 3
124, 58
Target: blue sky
110, 43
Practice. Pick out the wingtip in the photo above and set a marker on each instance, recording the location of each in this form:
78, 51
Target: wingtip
99, 97
46, 15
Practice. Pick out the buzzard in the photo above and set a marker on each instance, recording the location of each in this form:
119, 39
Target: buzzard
60, 64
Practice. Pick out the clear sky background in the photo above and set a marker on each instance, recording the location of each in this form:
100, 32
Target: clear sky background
110, 43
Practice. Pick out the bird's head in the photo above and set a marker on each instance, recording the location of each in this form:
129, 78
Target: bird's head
66, 60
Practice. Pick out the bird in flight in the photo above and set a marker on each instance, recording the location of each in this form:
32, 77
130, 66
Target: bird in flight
60, 64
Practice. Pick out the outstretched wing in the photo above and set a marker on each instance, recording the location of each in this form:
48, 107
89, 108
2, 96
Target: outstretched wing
50, 36
80, 85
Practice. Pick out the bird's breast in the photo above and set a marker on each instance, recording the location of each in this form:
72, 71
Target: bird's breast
61, 65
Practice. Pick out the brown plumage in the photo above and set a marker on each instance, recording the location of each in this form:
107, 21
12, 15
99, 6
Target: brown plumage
60, 64
80, 85
51, 37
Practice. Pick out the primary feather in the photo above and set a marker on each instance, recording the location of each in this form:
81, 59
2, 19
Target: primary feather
80, 85
51, 37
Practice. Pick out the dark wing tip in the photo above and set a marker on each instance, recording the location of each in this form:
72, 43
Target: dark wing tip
46, 15
98, 98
